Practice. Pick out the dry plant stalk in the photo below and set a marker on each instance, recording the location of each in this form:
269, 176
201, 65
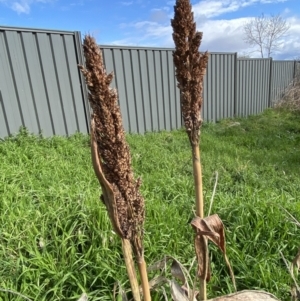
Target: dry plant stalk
112, 164
190, 70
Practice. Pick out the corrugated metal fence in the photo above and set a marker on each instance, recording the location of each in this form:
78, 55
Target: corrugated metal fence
279, 82
253, 85
149, 98
219, 87
41, 87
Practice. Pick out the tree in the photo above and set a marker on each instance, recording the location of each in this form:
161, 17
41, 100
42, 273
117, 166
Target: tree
243, 55
266, 32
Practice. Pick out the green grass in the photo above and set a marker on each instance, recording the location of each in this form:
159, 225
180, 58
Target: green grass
56, 239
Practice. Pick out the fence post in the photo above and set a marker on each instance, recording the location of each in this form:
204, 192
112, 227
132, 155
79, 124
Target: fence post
270, 82
235, 85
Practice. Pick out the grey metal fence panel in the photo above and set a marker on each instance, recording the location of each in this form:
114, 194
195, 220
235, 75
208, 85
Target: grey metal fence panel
282, 76
41, 87
219, 87
150, 100
40, 82
253, 81
145, 79
148, 93
297, 70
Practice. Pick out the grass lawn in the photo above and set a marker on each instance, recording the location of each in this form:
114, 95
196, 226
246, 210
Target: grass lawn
56, 239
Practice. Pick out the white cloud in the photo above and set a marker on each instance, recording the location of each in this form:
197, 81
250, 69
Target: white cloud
213, 8
223, 35
145, 31
220, 34
227, 36
272, 1
22, 6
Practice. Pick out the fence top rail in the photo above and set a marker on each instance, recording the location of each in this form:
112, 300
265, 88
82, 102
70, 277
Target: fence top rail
133, 47
33, 30
266, 59
153, 48
284, 61
254, 59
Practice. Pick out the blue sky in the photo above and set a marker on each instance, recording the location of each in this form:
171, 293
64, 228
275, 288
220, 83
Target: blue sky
147, 22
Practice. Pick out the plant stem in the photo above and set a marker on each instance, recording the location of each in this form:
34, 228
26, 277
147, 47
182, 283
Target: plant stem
144, 278
202, 291
127, 253
198, 181
199, 207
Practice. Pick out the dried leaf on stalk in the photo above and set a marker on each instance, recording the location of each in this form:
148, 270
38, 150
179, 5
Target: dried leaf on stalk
190, 292
211, 228
202, 257
178, 294
178, 271
157, 282
158, 265
107, 191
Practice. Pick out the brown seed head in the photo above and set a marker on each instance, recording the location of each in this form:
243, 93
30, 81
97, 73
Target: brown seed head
112, 149
190, 67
